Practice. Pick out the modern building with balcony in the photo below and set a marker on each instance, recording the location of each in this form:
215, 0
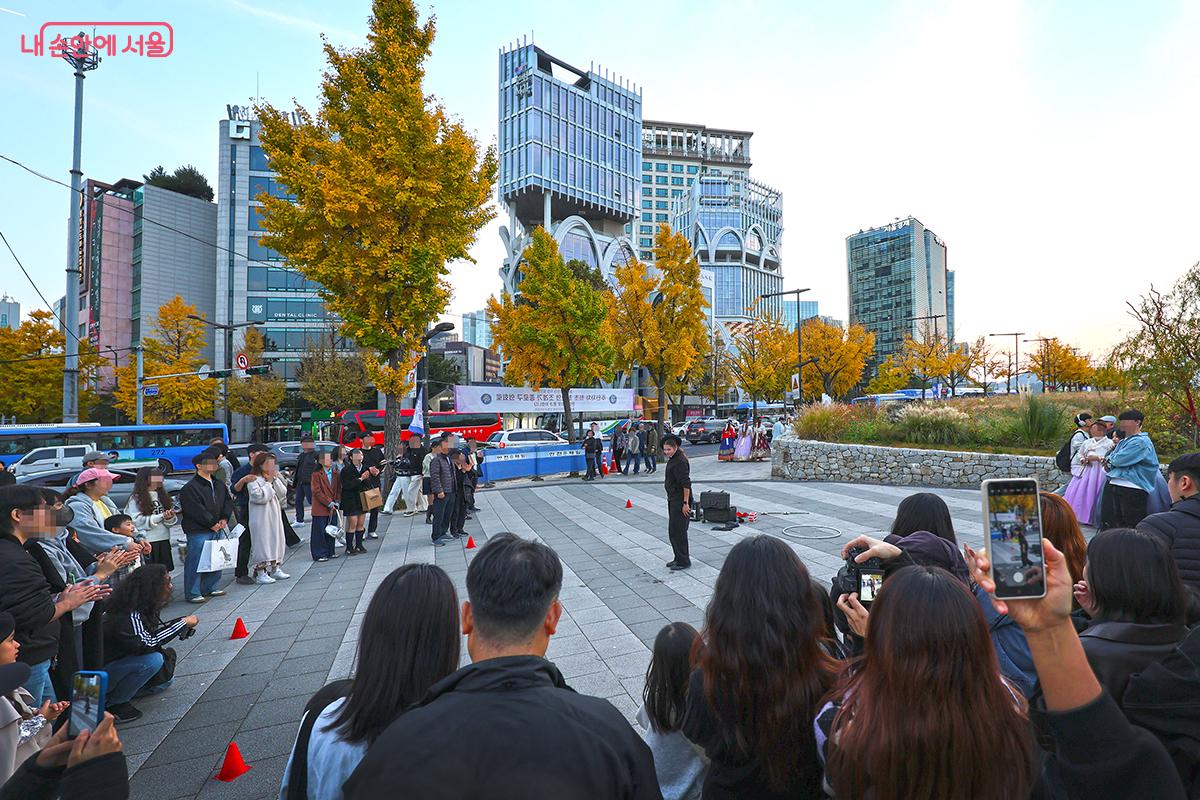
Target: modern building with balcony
899, 284
570, 157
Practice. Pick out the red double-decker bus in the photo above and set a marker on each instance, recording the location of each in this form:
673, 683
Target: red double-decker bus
354, 424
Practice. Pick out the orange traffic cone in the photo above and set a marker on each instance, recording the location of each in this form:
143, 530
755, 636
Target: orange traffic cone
234, 766
470, 542
629, 504
604, 467
239, 630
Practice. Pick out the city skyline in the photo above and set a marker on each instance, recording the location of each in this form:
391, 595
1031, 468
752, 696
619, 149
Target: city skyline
1035, 120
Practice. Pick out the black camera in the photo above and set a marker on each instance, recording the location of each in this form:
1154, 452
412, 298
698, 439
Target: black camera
863, 579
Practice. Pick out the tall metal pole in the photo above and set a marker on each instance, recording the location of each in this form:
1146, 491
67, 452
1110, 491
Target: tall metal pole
1015, 369
82, 62
141, 377
799, 347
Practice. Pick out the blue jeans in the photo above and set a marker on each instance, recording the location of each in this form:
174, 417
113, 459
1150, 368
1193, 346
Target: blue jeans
649, 460
196, 583
127, 676
303, 492
39, 684
632, 458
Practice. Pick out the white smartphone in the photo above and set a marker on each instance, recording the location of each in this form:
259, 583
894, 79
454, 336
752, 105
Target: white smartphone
1012, 523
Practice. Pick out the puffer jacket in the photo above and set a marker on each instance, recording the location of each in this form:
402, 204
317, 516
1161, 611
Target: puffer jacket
1180, 527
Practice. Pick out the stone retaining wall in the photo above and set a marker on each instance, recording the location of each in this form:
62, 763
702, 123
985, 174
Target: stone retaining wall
809, 460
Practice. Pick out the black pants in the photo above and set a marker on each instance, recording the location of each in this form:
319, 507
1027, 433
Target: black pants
592, 465
373, 520
303, 494
243, 559
459, 516
443, 513
1122, 507
677, 530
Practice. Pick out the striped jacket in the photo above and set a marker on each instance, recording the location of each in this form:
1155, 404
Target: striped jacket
128, 634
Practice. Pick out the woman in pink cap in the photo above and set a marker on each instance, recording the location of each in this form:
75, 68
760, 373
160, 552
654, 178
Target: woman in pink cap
88, 498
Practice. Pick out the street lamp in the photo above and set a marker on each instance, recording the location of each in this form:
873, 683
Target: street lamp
799, 351
1015, 372
228, 329
423, 365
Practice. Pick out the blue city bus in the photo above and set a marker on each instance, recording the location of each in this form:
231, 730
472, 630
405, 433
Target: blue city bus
172, 446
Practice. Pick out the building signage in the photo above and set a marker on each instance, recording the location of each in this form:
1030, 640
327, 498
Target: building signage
515, 399
246, 114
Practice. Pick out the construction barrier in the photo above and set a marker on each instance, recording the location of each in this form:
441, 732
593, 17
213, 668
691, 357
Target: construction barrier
528, 461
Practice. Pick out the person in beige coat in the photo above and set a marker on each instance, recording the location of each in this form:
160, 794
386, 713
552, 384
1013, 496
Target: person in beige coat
267, 491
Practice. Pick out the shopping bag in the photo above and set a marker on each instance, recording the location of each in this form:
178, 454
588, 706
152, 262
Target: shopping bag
218, 554
371, 499
334, 527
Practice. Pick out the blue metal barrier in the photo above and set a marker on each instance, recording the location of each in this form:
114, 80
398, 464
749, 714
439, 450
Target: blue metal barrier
527, 461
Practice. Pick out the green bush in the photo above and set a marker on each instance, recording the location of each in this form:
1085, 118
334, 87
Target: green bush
934, 424
823, 423
1041, 423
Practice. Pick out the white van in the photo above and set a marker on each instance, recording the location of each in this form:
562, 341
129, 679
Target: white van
44, 459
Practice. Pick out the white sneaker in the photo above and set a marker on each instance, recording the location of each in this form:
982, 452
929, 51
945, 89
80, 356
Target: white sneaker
279, 574
409, 513
262, 579
372, 535
386, 511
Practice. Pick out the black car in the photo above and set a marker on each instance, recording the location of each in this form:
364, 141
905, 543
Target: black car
286, 454
704, 431
58, 480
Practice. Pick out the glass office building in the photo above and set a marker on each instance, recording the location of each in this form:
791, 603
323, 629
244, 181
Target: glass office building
797, 311
897, 276
570, 157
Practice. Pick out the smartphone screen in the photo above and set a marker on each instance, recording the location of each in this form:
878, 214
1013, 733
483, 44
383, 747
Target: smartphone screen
1013, 521
868, 585
87, 701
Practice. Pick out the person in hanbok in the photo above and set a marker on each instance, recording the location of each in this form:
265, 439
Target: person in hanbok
1088, 475
745, 442
728, 440
760, 447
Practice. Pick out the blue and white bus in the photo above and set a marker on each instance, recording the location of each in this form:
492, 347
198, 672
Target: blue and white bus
171, 446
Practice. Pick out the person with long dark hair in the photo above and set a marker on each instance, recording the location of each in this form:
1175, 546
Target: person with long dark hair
924, 511
679, 764
1060, 527
925, 712
353, 479
399, 657
677, 481
135, 637
760, 675
1137, 603
153, 513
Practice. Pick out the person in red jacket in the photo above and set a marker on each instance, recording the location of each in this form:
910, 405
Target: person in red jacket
326, 494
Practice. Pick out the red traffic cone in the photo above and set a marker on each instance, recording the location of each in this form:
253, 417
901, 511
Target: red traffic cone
470, 542
629, 504
604, 467
239, 630
233, 766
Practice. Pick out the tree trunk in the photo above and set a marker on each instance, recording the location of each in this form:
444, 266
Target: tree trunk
391, 422
566, 398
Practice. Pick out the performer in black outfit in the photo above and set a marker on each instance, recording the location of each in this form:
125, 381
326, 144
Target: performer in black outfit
678, 482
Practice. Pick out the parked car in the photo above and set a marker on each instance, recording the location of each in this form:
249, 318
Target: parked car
524, 436
704, 431
122, 488
680, 429
49, 459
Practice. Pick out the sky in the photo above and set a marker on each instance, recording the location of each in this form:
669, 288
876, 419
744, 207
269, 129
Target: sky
1051, 145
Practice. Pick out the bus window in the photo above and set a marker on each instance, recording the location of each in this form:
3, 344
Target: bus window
145, 439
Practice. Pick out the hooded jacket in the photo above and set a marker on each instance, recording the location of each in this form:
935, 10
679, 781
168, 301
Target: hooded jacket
545, 741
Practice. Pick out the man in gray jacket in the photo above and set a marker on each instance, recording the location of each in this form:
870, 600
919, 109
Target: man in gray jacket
441, 483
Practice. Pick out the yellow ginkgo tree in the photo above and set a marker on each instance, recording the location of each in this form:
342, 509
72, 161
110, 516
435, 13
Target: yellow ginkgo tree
176, 345
388, 188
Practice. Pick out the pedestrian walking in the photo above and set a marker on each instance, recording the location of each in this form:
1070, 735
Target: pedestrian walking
267, 491
241, 499
373, 462
414, 491
205, 510
592, 448
326, 494
399, 479
306, 465
352, 480
633, 450
650, 447
441, 483
426, 483
678, 483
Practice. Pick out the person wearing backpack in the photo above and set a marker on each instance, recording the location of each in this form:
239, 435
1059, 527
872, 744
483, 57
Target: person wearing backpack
1065, 459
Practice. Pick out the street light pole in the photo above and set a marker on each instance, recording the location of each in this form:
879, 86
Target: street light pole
85, 61
799, 346
228, 330
1015, 370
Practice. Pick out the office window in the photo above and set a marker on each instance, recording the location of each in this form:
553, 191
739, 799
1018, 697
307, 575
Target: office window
645, 243
646, 217
647, 204
661, 204
676, 181
646, 191
660, 192
647, 179
659, 217
677, 168
659, 179
660, 167
645, 229
677, 193
692, 169
258, 159
646, 166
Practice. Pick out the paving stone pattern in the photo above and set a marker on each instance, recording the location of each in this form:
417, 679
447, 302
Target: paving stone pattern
617, 595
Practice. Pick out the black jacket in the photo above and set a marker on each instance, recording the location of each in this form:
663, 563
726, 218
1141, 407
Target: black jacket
545, 741
26, 595
102, 778
1117, 650
678, 476
1181, 528
441, 474
306, 465
593, 446
353, 482
127, 634
202, 503
373, 457
416, 459
1165, 700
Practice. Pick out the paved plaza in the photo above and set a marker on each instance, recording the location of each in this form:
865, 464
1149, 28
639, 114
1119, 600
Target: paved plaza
617, 594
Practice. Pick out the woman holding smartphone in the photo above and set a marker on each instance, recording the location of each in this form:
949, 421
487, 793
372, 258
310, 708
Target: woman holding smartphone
153, 514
